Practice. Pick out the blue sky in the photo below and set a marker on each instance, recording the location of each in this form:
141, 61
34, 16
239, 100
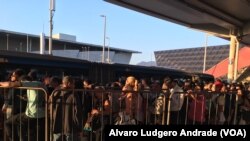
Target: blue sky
126, 29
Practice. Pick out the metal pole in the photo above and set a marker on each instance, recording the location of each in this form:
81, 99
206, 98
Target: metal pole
50, 33
42, 43
108, 49
30, 45
169, 104
104, 39
7, 46
108, 55
27, 49
205, 54
236, 60
52, 9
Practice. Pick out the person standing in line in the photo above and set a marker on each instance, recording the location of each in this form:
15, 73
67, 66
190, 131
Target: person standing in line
133, 100
13, 104
66, 116
34, 115
176, 102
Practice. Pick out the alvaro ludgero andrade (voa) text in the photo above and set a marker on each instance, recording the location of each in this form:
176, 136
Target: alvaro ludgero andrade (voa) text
183, 132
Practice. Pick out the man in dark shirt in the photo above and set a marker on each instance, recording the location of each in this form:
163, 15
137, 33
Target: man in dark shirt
65, 112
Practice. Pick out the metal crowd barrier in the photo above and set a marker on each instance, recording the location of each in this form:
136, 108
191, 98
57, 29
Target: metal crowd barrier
143, 109
29, 134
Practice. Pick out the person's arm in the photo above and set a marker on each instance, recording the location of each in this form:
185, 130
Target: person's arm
10, 84
106, 108
136, 85
5, 84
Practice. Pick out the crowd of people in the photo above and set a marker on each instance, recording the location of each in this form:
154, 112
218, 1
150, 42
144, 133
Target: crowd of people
69, 108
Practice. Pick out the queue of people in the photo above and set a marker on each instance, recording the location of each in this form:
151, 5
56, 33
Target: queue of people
81, 109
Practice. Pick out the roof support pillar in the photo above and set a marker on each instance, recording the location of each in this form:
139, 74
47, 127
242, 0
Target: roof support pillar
236, 60
231, 59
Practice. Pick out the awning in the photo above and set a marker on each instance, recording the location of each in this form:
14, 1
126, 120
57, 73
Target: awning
221, 69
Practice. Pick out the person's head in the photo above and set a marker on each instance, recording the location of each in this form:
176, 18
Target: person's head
197, 87
115, 86
130, 81
168, 82
239, 86
25, 78
46, 80
68, 82
54, 82
187, 85
232, 87
16, 74
33, 74
99, 92
87, 84
122, 80
165, 88
217, 85
156, 86
144, 81
224, 88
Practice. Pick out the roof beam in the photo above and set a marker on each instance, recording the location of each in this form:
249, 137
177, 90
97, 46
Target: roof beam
209, 13
212, 11
246, 29
132, 6
220, 18
212, 29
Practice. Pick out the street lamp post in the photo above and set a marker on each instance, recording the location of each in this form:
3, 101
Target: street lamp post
7, 46
205, 54
104, 38
108, 59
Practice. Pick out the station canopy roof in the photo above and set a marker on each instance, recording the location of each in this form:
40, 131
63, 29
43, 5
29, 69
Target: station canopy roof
221, 18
